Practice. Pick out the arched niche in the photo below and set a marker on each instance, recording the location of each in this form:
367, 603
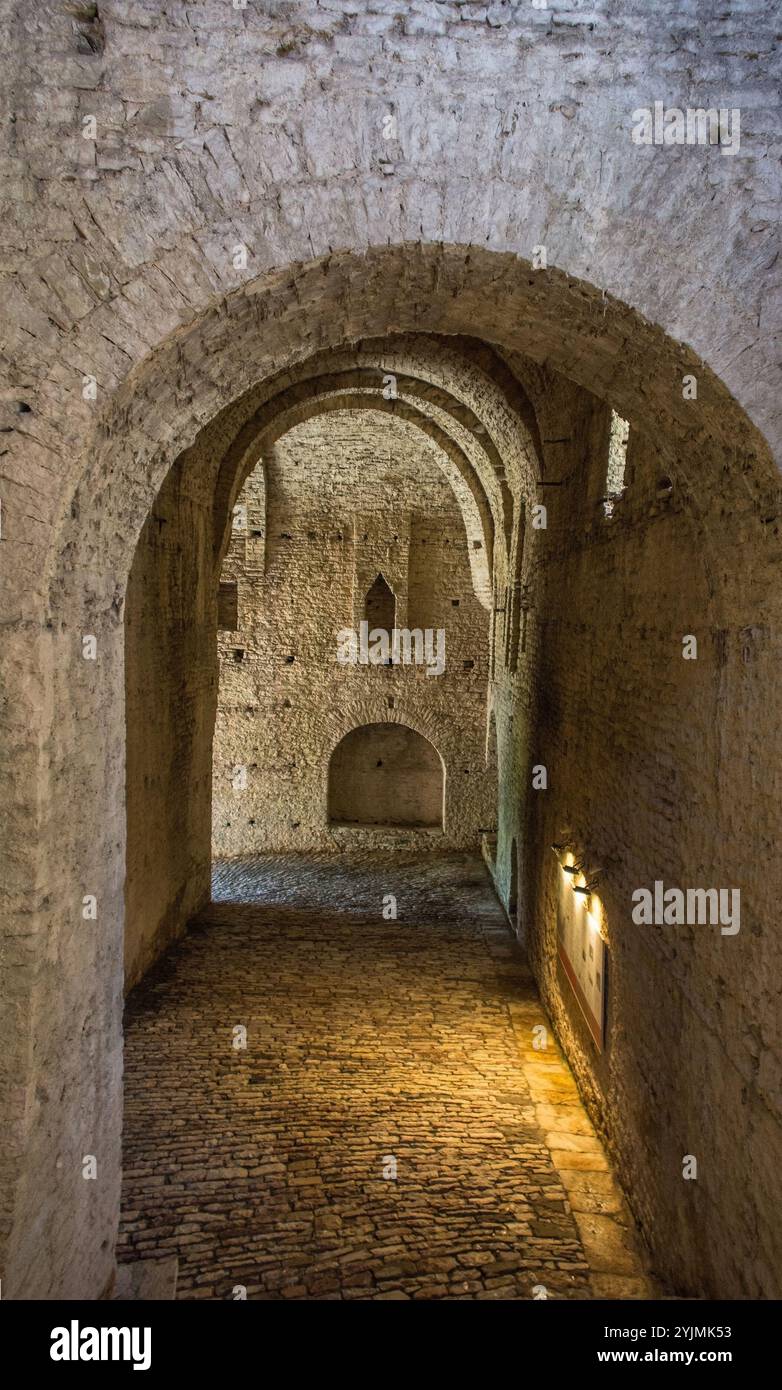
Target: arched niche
386, 775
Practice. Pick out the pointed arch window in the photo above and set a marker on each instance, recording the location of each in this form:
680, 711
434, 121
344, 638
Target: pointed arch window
380, 605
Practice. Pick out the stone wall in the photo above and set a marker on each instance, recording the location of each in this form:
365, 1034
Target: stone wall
171, 685
346, 496
131, 328
655, 771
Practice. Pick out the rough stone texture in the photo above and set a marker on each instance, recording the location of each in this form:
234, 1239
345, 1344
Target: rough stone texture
345, 497
266, 126
145, 1280
646, 755
170, 695
367, 1041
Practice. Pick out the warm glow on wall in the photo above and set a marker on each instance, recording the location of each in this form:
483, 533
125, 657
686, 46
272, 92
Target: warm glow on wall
581, 947
568, 866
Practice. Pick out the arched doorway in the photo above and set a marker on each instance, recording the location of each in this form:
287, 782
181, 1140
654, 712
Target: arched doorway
139, 449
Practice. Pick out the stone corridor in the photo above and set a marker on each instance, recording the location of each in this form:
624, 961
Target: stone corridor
389, 1131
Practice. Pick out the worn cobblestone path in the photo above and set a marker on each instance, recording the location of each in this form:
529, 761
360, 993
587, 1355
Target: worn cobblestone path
373, 1046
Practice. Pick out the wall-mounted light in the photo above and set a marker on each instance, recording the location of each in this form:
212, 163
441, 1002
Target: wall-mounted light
561, 848
587, 894
582, 881
589, 882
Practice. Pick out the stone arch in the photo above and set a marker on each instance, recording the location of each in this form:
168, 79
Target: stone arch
133, 447
473, 503
386, 775
496, 428
374, 710
460, 390
76, 579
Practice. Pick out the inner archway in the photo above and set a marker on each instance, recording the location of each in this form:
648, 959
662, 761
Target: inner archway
356, 601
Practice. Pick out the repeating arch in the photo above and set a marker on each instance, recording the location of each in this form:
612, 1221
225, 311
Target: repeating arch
451, 458
73, 579
150, 420
466, 392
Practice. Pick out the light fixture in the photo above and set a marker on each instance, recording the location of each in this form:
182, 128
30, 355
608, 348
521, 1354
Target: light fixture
586, 892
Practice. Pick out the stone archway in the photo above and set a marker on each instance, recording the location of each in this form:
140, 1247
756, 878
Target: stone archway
74, 752
386, 775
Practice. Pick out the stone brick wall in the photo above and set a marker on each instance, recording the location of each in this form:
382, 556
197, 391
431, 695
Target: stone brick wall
269, 127
345, 497
170, 693
636, 743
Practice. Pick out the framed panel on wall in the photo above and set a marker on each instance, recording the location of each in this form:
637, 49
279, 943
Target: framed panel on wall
583, 953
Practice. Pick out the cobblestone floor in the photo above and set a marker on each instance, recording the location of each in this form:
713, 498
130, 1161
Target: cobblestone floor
374, 1047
